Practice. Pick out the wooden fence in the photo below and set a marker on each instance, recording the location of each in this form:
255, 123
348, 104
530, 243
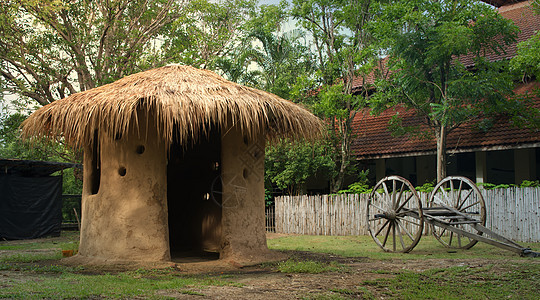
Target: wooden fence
513, 213
270, 219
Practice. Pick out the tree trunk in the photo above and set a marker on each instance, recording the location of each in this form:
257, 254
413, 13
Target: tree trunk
441, 153
344, 158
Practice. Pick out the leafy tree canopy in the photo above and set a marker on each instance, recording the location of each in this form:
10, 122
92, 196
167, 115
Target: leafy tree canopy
427, 42
289, 165
53, 48
527, 60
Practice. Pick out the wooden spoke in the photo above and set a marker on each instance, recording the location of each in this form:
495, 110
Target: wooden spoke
388, 201
409, 221
394, 236
382, 210
459, 193
400, 235
405, 229
399, 197
454, 201
465, 199
386, 193
452, 194
387, 233
393, 194
406, 201
382, 227
470, 205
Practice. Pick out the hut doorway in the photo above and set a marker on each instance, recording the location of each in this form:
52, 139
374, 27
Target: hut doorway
194, 197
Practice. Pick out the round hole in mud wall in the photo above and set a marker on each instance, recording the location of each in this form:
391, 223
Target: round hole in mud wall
246, 141
245, 173
122, 171
140, 149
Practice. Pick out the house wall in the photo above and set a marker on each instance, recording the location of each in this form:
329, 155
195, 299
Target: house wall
525, 164
426, 167
500, 167
497, 167
126, 217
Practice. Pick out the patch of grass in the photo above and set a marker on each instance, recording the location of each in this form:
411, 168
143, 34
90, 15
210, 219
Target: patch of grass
366, 294
460, 283
308, 266
122, 285
30, 257
364, 246
39, 269
68, 241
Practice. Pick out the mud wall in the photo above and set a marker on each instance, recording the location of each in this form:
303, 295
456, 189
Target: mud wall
243, 224
124, 207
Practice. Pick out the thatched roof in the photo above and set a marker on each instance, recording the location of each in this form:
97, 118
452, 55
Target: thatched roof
181, 97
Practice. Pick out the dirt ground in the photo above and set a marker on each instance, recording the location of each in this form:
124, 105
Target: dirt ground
262, 281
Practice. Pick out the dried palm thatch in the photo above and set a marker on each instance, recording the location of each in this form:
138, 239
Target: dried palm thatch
186, 103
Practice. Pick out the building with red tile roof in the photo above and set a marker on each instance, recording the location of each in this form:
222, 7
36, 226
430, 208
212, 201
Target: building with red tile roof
503, 154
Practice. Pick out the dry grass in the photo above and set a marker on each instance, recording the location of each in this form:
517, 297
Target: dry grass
180, 97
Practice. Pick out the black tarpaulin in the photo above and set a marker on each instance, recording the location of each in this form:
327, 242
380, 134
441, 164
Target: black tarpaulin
30, 207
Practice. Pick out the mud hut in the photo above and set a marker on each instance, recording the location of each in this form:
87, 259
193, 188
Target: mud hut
173, 162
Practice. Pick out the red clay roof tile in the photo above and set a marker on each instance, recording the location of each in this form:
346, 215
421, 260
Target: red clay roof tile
374, 139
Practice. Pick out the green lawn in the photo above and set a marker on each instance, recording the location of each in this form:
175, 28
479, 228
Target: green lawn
364, 246
31, 270
504, 276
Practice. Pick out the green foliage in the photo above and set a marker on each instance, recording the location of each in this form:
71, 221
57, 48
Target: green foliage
289, 164
529, 183
207, 32
12, 147
426, 187
524, 183
359, 187
527, 59
268, 197
54, 48
281, 58
343, 51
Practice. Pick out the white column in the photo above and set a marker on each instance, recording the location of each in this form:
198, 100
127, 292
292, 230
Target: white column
481, 170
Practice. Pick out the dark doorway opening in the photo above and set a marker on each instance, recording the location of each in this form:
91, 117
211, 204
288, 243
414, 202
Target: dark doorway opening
194, 197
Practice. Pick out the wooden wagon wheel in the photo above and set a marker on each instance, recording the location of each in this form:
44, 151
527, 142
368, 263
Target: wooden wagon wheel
461, 194
394, 214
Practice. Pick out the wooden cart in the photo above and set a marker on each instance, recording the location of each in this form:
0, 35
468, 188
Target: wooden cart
455, 212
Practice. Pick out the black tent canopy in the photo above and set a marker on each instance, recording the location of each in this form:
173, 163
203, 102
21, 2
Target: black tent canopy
30, 198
